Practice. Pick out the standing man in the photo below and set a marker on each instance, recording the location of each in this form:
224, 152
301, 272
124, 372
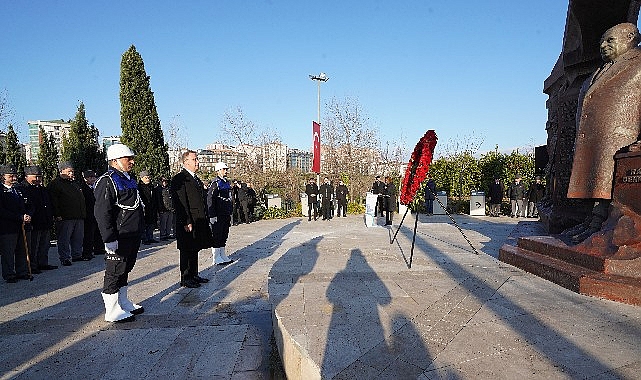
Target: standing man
516, 193
39, 208
219, 207
69, 210
430, 195
534, 195
311, 189
162, 195
377, 188
92, 242
496, 192
251, 197
13, 216
243, 198
341, 196
119, 215
326, 193
151, 215
192, 228
389, 194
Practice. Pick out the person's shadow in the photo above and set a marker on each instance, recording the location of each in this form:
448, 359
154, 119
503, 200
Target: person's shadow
355, 326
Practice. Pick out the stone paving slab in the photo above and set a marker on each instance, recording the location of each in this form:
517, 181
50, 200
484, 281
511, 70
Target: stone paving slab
342, 300
356, 310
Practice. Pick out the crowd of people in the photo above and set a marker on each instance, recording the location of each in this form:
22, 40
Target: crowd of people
523, 201
326, 200
112, 215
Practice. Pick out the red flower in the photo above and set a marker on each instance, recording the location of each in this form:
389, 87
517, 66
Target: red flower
418, 167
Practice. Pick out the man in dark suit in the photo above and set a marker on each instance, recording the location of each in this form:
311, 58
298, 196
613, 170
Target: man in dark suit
192, 223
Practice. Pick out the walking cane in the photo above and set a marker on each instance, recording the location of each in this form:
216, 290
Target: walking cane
26, 250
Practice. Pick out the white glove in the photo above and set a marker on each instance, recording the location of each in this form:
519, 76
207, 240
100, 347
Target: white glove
112, 246
213, 220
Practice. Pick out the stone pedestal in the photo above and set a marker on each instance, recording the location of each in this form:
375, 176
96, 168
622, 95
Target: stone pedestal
608, 263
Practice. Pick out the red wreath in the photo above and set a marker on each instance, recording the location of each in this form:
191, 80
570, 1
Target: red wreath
418, 167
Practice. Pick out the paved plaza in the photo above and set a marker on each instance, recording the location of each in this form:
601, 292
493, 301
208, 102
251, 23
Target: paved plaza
343, 302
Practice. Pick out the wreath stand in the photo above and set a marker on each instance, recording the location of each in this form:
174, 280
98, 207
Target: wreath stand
416, 225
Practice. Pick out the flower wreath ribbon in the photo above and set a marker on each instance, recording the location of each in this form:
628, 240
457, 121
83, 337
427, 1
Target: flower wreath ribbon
418, 167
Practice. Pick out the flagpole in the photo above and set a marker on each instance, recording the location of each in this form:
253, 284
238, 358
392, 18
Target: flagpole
322, 77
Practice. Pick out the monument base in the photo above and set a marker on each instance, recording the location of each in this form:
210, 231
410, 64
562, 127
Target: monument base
608, 276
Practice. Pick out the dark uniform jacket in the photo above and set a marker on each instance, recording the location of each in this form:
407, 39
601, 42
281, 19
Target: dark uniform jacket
38, 205
311, 189
389, 191
219, 198
430, 190
516, 191
118, 207
341, 193
378, 187
496, 193
162, 196
146, 194
12, 210
67, 199
188, 197
327, 192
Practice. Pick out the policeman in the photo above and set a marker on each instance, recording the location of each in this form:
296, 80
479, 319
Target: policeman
119, 213
219, 209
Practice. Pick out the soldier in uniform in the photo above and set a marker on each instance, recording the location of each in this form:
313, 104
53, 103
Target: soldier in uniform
120, 219
219, 208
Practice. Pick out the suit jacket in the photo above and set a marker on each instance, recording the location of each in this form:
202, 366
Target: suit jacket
189, 200
608, 118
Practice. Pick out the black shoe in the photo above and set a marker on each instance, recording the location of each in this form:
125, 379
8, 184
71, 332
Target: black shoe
35, 271
87, 258
66, 262
190, 284
201, 280
11, 280
24, 277
225, 263
47, 267
152, 241
137, 311
75, 259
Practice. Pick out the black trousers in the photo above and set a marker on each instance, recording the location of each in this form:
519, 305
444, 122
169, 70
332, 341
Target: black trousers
118, 265
312, 205
380, 206
220, 231
342, 205
92, 241
188, 264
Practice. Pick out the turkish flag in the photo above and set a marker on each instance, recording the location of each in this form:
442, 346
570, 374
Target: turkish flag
317, 147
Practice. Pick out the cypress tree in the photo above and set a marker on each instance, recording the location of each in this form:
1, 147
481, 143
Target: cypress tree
13, 151
141, 129
81, 145
47, 157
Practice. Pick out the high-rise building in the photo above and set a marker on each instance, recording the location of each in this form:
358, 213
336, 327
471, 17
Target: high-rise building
56, 129
299, 160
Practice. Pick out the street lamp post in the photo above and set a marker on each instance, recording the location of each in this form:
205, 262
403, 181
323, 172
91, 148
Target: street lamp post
322, 77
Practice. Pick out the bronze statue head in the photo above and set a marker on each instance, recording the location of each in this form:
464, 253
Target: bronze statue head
617, 40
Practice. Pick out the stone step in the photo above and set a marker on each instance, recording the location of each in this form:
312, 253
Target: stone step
554, 248
574, 277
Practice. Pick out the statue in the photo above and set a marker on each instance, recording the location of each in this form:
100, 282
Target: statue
608, 119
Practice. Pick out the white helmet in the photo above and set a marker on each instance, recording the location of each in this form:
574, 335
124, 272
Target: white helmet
220, 165
116, 151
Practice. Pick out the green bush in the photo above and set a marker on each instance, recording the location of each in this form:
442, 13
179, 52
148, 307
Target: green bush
355, 208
